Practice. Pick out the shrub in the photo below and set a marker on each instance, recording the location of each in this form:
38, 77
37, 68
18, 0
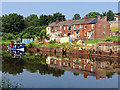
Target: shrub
52, 42
108, 40
31, 44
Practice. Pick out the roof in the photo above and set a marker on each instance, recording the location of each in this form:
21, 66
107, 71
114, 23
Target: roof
75, 22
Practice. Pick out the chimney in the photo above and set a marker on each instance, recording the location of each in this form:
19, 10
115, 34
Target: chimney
49, 23
118, 17
57, 22
98, 18
105, 18
86, 18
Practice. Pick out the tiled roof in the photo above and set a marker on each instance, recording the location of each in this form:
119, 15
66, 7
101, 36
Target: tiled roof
74, 22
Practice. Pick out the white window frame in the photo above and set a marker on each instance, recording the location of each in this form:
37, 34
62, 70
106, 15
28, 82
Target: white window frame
64, 27
55, 28
92, 27
80, 26
74, 27
85, 26
60, 27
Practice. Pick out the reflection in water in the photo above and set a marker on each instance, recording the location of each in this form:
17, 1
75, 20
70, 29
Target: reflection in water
98, 67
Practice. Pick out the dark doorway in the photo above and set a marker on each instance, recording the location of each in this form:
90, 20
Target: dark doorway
69, 34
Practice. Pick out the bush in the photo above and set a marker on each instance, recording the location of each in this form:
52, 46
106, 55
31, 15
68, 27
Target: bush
31, 44
8, 36
52, 42
108, 40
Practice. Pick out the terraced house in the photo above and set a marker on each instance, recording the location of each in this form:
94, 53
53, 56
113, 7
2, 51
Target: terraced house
84, 29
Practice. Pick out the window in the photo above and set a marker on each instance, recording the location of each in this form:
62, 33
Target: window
91, 68
60, 27
55, 28
85, 26
77, 32
69, 28
84, 67
74, 27
64, 34
52, 28
85, 33
92, 33
64, 27
92, 26
80, 26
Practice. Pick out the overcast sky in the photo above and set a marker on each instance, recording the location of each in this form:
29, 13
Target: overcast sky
66, 8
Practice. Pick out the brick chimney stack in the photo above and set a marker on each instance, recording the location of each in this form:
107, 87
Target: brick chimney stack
49, 23
57, 22
98, 18
86, 18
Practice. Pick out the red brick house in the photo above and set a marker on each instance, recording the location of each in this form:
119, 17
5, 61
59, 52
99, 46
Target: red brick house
85, 29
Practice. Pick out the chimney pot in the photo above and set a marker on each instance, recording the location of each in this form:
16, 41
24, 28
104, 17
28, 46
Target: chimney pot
57, 22
98, 18
86, 18
49, 23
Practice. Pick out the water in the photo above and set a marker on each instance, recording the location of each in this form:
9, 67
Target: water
45, 71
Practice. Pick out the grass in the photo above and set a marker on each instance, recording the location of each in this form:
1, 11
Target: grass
113, 29
4, 42
115, 38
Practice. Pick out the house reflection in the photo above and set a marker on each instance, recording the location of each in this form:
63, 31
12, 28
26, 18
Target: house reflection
99, 67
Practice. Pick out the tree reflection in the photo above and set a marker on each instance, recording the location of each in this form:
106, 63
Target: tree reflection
30, 62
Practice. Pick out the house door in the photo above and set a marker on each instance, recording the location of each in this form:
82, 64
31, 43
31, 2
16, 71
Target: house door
69, 34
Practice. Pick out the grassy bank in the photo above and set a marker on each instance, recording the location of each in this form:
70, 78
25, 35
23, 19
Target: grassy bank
113, 29
115, 38
55, 45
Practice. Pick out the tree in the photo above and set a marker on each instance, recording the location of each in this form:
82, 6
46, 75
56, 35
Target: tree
104, 13
12, 23
110, 15
43, 20
93, 14
58, 16
31, 20
76, 17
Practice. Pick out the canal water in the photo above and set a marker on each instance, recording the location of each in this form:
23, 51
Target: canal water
34, 70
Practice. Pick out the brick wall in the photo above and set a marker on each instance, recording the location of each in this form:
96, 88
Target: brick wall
102, 29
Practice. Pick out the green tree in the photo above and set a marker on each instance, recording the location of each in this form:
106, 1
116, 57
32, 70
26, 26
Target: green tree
58, 16
43, 20
76, 17
31, 20
104, 13
110, 15
12, 23
93, 14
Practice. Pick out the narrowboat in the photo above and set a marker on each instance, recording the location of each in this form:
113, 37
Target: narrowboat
16, 45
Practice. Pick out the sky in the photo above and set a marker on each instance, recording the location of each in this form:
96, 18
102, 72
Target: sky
66, 8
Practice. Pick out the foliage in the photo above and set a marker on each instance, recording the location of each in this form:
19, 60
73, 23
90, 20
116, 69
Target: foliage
32, 30
58, 16
93, 14
12, 23
31, 20
109, 74
8, 36
31, 44
110, 15
108, 40
76, 17
52, 42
